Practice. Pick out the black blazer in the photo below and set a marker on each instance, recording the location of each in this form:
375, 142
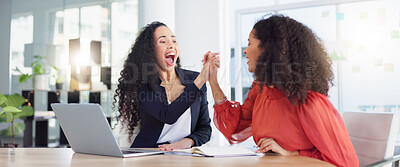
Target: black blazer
154, 111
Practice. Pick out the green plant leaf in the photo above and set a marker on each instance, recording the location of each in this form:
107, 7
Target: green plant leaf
18, 130
37, 57
18, 70
3, 118
24, 77
38, 69
6, 132
15, 100
36, 61
3, 99
9, 117
54, 67
11, 109
33, 64
27, 111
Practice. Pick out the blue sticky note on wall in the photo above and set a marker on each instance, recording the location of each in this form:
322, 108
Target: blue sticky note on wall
339, 16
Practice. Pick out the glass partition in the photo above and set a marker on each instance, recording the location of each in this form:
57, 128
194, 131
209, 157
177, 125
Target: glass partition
86, 41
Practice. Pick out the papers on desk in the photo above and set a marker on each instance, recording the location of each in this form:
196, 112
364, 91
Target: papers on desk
206, 151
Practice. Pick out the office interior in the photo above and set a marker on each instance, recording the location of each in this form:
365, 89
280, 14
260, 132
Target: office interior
87, 42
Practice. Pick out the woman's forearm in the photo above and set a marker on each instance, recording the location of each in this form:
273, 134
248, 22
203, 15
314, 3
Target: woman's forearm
217, 93
199, 82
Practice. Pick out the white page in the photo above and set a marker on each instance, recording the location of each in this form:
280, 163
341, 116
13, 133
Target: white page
215, 151
225, 151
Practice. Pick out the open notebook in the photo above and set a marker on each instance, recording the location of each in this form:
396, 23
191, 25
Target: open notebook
206, 151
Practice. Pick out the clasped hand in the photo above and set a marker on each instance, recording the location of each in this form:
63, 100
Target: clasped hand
209, 71
211, 64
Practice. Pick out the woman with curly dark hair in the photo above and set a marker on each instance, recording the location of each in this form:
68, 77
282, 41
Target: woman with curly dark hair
167, 103
287, 110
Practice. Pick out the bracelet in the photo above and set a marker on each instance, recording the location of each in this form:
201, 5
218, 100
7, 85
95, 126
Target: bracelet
223, 101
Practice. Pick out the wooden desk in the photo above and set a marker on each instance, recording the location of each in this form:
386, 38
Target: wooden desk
60, 157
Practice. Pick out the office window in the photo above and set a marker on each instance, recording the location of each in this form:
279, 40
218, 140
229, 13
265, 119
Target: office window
58, 33
123, 30
322, 21
371, 69
361, 38
92, 18
113, 23
71, 23
21, 34
115, 26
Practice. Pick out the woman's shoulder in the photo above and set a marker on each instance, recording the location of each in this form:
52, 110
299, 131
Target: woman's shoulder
316, 102
313, 96
186, 71
187, 74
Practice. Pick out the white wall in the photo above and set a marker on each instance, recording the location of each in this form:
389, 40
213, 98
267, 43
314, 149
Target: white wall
196, 30
157, 10
5, 20
200, 27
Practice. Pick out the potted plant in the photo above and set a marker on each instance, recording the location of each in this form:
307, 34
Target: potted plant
59, 80
40, 74
13, 108
59, 84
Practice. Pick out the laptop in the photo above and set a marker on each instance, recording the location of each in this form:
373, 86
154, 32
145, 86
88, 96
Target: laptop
88, 131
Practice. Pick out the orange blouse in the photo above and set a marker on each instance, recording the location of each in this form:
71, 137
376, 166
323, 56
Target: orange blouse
314, 128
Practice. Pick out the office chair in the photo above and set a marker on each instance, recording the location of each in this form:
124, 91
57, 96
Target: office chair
373, 136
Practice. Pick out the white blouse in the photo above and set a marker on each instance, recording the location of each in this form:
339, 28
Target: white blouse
178, 130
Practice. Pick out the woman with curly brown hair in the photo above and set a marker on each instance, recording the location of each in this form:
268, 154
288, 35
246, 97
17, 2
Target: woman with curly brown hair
287, 110
168, 103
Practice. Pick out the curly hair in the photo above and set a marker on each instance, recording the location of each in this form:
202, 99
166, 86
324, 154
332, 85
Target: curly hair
294, 59
140, 69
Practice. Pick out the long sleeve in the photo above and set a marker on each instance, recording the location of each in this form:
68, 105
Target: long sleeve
153, 104
325, 128
202, 132
233, 119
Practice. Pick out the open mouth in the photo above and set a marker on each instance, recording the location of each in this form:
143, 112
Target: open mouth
170, 58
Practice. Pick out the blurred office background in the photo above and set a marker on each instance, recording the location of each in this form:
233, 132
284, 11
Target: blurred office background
88, 40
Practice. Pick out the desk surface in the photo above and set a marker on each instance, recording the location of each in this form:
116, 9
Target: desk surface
43, 157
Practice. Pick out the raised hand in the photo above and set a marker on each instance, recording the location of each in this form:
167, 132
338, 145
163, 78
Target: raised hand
205, 72
208, 55
214, 65
213, 59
